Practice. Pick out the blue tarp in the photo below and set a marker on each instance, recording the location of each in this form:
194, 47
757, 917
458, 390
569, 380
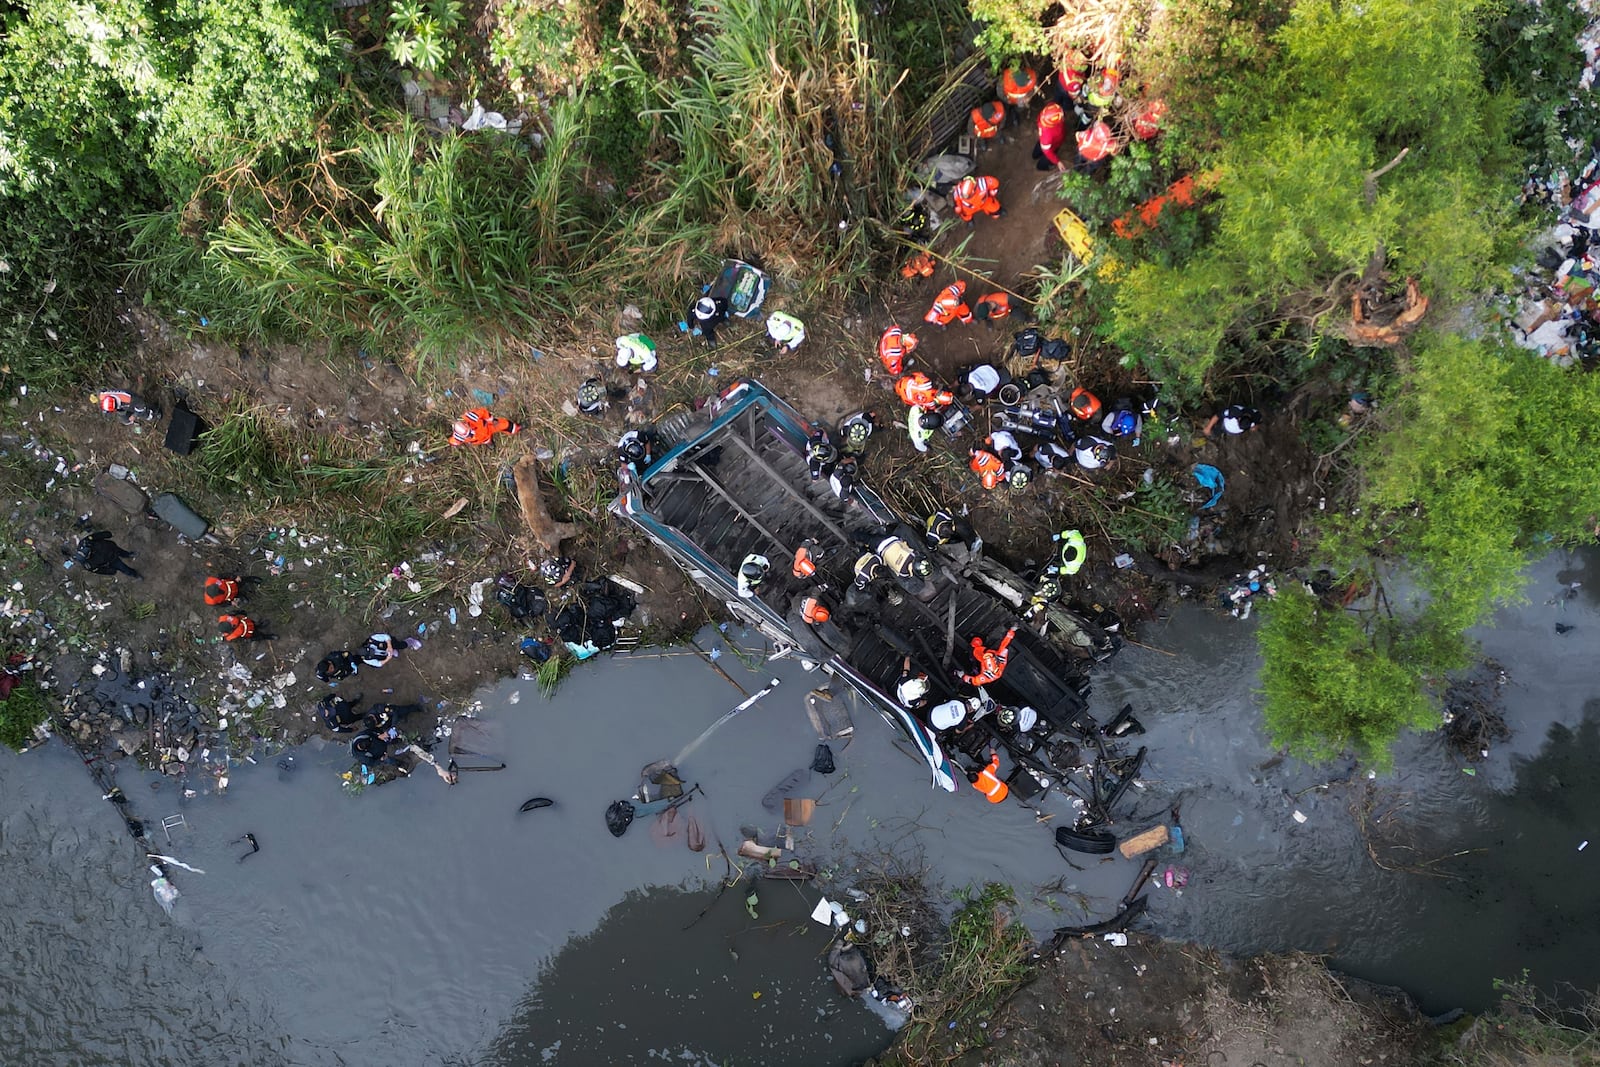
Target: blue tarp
1210, 478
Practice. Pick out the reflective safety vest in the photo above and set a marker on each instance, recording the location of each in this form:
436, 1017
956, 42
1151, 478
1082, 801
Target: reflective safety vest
477, 426
235, 627
987, 120
1073, 552
1073, 74
1097, 142
220, 591
1147, 123
993, 307
991, 661
897, 555
919, 433
1018, 85
989, 783
918, 266
813, 611
636, 352
990, 471
972, 195
868, 566
949, 306
785, 329
893, 348
804, 565
919, 391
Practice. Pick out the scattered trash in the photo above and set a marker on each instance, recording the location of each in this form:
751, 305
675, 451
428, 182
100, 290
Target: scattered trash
1299, 816
1117, 940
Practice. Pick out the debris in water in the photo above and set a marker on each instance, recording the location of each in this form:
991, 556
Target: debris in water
1299, 816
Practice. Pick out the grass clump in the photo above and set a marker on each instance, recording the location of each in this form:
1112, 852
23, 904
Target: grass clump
20, 713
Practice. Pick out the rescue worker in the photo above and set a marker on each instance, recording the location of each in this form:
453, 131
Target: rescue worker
1095, 145
220, 591
1052, 138
981, 382
1235, 418
814, 611
918, 266
991, 661
1104, 93
705, 316
1071, 77
1047, 588
1053, 456
911, 688
752, 572
869, 568
975, 195
371, 747
478, 427
842, 479
987, 781
988, 120
236, 627
991, 308
897, 555
124, 405
557, 571
335, 667
855, 430
918, 390
947, 716
100, 554
943, 528
634, 448
1084, 405
636, 353
894, 345
785, 330
1147, 123
1017, 86
805, 559
1123, 419
338, 714
1073, 552
1004, 444
1019, 478
591, 398
922, 425
989, 468
1092, 453
378, 650
950, 306
820, 453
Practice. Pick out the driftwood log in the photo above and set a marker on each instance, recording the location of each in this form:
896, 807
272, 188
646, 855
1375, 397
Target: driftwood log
546, 531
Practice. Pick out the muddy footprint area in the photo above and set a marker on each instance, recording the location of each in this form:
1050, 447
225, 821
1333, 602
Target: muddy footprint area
1152, 1003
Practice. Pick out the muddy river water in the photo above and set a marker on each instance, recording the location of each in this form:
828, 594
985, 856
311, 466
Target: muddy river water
420, 924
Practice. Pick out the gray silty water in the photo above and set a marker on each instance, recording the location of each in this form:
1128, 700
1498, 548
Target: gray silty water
414, 923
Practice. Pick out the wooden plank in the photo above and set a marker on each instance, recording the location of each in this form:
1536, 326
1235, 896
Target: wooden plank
1139, 844
783, 483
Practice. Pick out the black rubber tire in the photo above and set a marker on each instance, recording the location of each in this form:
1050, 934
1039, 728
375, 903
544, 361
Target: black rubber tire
1092, 842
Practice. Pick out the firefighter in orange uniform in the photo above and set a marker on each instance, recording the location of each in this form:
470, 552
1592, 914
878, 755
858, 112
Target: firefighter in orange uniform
950, 306
478, 426
973, 196
893, 347
918, 390
221, 591
1017, 86
989, 468
991, 661
988, 120
988, 782
236, 627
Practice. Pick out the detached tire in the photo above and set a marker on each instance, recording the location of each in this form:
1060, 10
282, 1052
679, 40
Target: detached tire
1093, 842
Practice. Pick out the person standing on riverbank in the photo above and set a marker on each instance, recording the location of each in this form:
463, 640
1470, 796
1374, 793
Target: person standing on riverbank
378, 650
785, 331
636, 353
894, 346
1052, 138
238, 628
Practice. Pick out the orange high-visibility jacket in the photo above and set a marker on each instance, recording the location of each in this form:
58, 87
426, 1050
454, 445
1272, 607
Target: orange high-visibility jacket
919, 391
987, 120
477, 426
972, 195
1017, 85
893, 347
236, 627
221, 591
813, 611
1097, 142
804, 565
991, 661
989, 784
949, 306
994, 306
919, 265
991, 472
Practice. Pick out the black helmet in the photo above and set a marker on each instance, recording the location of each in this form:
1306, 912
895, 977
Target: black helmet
554, 569
931, 420
591, 393
753, 568
1020, 478
922, 567
633, 449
